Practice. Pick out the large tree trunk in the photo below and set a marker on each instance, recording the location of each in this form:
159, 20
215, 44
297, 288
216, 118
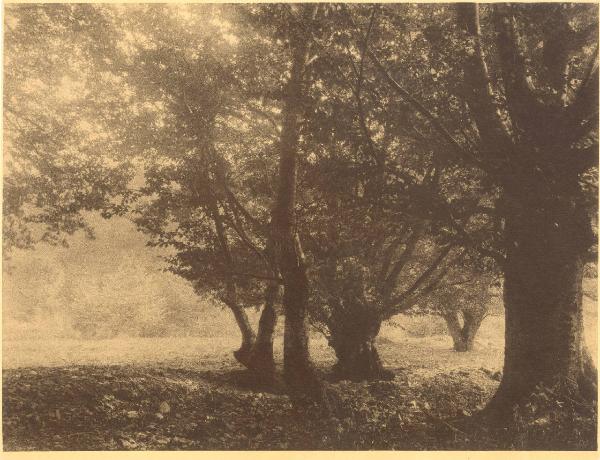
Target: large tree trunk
353, 334
547, 238
299, 373
358, 360
261, 360
547, 232
463, 336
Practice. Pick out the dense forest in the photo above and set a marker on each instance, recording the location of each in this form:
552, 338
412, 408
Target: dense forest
326, 167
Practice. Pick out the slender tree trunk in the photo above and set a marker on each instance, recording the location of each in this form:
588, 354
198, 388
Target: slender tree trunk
261, 360
299, 373
248, 337
243, 353
463, 336
298, 368
543, 295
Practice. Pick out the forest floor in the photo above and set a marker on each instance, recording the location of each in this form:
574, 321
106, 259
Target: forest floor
189, 393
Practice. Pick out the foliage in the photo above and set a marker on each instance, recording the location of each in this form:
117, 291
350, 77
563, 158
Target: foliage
62, 154
535, 424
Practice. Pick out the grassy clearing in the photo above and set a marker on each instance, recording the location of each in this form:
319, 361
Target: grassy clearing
406, 347
417, 342
189, 393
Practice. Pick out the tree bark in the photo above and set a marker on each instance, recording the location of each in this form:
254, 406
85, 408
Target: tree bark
299, 373
547, 238
463, 336
248, 337
353, 337
261, 360
547, 231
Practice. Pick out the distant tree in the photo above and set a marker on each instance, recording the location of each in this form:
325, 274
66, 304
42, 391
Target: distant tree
462, 299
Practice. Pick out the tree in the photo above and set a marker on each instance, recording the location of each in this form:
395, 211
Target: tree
382, 194
462, 299
538, 144
203, 134
529, 92
379, 211
298, 370
150, 106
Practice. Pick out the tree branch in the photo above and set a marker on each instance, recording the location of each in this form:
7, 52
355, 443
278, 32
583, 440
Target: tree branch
425, 275
435, 122
523, 106
392, 277
263, 229
239, 229
584, 106
477, 87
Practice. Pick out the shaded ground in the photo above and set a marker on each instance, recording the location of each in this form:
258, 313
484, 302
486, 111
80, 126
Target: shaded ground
188, 393
123, 407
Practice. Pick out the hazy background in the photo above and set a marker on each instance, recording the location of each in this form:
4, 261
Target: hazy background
109, 300
112, 285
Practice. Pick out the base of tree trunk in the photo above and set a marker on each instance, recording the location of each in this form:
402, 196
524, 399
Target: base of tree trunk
258, 360
500, 410
243, 354
261, 362
543, 304
463, 346
463, 336
305, 385
358, 362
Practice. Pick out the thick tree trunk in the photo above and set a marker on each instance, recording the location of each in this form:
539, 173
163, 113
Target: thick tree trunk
261, 360
456, 331
543, 295
353, 333
463, 336
359, 361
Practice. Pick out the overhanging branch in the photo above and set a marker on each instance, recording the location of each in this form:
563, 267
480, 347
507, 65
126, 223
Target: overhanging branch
420, 108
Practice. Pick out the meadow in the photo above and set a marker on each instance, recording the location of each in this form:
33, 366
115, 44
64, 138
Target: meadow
132, 393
